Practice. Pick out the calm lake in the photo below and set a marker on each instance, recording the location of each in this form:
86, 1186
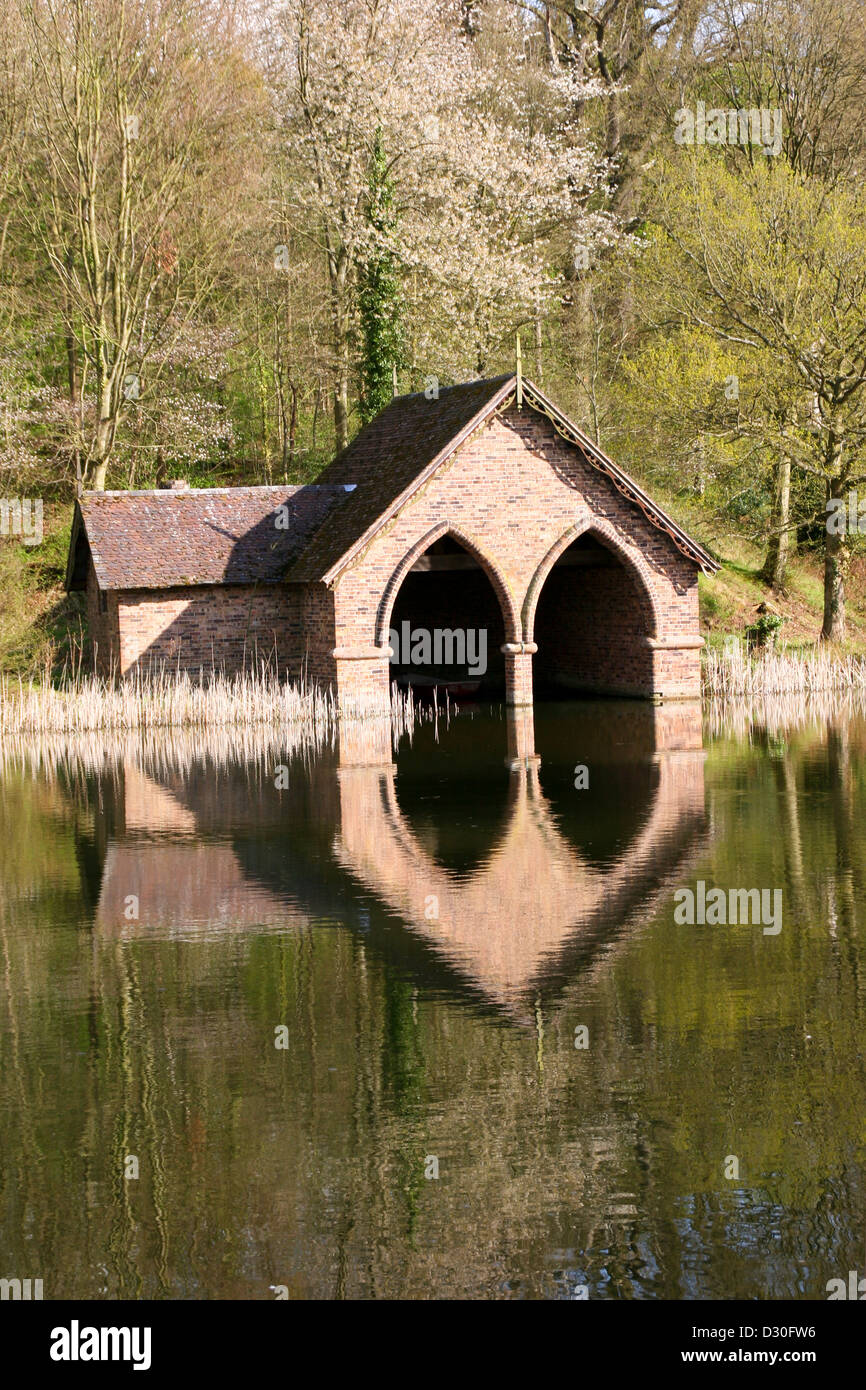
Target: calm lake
360, 1022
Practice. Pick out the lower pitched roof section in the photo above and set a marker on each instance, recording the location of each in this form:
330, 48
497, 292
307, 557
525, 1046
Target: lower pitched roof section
169, 539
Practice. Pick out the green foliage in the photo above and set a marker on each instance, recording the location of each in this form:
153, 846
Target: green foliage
380, 294
763, 631
40, 627
681, 397
693, 350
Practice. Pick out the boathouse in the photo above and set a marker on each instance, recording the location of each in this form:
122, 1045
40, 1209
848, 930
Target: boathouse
476, 537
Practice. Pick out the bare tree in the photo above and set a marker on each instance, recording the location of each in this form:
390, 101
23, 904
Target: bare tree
806, 58
128, 181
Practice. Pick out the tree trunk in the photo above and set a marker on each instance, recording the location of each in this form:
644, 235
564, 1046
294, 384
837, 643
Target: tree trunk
341, 411
539, 348
836, 548
775, 565
340, 318
75, 402
548, 38
98, 460
835, 566
293, 428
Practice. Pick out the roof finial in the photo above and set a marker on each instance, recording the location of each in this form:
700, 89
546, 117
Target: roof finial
519, 376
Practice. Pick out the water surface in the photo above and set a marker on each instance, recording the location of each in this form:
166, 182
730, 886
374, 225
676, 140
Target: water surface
429, 931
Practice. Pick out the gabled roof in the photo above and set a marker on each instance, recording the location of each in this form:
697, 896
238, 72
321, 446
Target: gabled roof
397, 452
166, 539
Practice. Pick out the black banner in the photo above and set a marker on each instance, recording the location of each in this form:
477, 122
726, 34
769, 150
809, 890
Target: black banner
158, 1339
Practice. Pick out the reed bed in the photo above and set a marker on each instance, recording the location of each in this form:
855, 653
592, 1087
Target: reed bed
171, 721
737, 674
176, 700
157, 752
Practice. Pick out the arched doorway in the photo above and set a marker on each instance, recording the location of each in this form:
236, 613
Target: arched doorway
592, 621
446, 627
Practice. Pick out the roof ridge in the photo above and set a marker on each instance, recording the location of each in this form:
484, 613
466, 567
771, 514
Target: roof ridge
92, 494
597, 457
497, 388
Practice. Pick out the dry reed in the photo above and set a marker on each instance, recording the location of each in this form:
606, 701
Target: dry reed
173, 721
175, 700
736, 674
778, 715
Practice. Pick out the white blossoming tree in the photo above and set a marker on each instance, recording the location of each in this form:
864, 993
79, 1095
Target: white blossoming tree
493, 204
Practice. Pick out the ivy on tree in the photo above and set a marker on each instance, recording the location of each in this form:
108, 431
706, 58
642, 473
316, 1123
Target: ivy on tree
380, 296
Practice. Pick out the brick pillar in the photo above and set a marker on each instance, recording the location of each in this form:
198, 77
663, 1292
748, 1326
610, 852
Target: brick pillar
518, 672
676, 667
362, 793
363, 681
680, 795
678, 725
520, 727
365, 742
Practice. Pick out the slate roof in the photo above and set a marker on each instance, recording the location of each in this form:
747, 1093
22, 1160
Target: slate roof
404, 445
166, 539
388, 458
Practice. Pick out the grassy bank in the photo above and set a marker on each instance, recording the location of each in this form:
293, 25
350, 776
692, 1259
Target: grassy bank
729, 599
39, 622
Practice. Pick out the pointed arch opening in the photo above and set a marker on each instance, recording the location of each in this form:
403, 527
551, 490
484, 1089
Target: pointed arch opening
592, 617
445, 617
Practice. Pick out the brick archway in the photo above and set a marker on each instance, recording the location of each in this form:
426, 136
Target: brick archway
591, 615
606, 534
561, 899
510, 614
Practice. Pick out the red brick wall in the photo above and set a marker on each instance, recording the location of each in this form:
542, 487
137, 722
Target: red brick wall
590, 627
228, 628
102, 627
317, 632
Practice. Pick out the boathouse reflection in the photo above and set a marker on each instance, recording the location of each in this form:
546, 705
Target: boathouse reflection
506, 877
